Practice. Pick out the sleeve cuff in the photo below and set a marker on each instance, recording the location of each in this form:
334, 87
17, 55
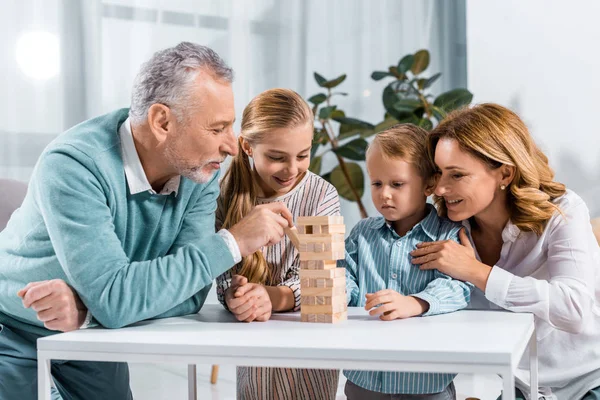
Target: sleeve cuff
497, 286
88, 321
295, 286
434, 303
231, 245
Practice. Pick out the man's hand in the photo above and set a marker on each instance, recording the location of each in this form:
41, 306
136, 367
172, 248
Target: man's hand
248, 301
263, 226
393, 305
57, 305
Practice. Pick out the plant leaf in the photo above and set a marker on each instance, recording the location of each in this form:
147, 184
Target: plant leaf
430, 81
382, 126
334, 82
356, 178
347, 131
438, 113
409, 119
453, 99
320, 80
337, 114
353, 150
394, 71
325, 112
406, 63
352, 126
407, 105
318, 98
378, 75
315, 165
421, 62
425, 124
353, 121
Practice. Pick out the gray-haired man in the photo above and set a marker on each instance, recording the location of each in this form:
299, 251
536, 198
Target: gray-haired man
121, 208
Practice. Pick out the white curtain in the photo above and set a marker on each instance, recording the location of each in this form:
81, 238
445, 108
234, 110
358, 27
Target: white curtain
269, 43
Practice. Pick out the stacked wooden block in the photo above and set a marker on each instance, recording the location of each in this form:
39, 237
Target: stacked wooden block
323, 285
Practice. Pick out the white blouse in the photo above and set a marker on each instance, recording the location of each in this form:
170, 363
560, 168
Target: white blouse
555, 276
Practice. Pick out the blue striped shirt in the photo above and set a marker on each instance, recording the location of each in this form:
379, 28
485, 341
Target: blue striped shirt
377, 258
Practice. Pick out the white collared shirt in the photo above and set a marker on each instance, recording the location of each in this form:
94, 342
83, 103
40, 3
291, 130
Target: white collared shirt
134, 172
555, 276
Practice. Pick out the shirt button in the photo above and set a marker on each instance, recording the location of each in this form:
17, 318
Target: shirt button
394, 276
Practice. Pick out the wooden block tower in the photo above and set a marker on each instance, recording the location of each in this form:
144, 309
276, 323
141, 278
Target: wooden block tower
323, 285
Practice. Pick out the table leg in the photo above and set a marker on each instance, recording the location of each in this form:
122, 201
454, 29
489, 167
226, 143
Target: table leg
508, 385
533, 366
44, 378
192, 387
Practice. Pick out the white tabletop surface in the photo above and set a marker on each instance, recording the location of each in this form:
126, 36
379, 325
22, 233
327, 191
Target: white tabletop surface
468, 336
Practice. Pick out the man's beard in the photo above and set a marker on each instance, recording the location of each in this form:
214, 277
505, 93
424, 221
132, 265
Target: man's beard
194, 173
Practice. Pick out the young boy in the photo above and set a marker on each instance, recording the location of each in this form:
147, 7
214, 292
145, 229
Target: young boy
379, 273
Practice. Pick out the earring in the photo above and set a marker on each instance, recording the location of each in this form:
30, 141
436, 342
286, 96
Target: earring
502, 187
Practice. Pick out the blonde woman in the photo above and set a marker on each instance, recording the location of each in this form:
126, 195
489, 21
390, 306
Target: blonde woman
534, 246
272, 166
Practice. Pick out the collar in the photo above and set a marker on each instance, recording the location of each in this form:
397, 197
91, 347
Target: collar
430, 224
134, 172
510, 233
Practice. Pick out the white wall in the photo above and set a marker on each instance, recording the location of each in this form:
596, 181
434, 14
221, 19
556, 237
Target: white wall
541, 58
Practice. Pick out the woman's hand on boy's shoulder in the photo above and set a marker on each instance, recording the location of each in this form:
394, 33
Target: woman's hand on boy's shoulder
390, 305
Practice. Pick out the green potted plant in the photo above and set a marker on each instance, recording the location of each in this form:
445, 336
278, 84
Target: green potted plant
406, 99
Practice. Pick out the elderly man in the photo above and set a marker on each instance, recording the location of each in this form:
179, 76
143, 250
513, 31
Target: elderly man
121, 208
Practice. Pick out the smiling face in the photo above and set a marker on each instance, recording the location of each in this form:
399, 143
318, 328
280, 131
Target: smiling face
398, 191
281, 158
468, 186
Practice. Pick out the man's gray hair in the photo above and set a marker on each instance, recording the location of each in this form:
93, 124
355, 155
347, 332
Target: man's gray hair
166, 79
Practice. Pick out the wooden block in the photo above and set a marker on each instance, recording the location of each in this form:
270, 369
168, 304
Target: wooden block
324, 318
334, 229
319, 247
324, 308
323, 300
292, 233
318, 264
326, 255
321, 220
323, 273
325, 292
321, 238
337, 252
322, 282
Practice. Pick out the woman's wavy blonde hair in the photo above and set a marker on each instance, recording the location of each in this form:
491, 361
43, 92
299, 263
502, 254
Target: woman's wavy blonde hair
497, 136
270, 110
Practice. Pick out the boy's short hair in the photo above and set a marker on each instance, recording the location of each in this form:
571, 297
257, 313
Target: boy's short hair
407, 142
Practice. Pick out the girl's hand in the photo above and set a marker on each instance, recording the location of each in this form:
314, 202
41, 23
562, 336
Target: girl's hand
250, 302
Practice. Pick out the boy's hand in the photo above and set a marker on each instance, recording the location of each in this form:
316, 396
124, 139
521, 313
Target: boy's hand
248, 301
393, 305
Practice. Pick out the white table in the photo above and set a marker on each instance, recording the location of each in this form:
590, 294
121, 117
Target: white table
488, 342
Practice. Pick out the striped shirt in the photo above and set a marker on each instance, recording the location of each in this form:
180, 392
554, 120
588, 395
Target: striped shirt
376, 259
312, 196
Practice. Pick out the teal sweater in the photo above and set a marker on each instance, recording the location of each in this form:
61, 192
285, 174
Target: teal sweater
130, 257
